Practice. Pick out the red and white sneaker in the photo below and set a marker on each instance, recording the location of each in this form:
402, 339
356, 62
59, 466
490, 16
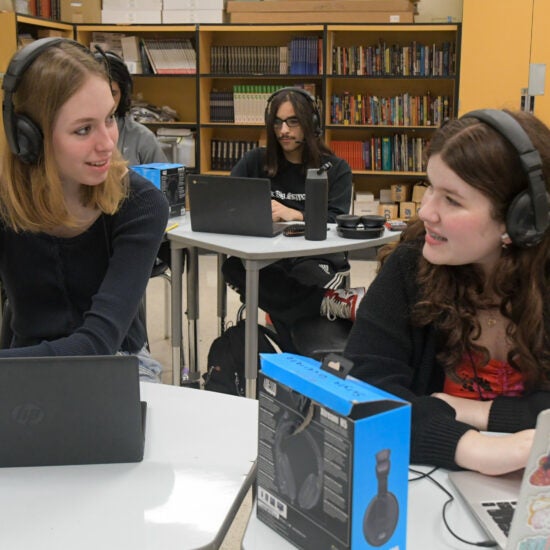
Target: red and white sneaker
342, 303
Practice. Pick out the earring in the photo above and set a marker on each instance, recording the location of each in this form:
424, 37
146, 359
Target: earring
506, 240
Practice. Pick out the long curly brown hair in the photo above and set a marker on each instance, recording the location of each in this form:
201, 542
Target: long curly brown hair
451, 296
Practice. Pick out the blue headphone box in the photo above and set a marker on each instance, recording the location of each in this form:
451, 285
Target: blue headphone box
333, 456
170, 179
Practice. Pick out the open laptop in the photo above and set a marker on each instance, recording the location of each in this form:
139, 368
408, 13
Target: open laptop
514, 509
70, 410
231, 205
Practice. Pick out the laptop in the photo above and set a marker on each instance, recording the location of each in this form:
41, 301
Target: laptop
231, 205
70, 410
514, 509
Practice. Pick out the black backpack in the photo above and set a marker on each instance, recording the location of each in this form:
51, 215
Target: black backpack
225, 372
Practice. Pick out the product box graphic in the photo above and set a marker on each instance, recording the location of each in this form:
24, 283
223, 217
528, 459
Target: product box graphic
333, 456
170, 179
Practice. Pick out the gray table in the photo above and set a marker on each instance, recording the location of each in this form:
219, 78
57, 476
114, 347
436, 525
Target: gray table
256, 253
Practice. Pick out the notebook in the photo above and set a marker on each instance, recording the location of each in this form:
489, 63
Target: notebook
70, 410
231, 205
514, 509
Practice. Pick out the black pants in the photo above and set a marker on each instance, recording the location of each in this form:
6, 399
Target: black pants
289, 289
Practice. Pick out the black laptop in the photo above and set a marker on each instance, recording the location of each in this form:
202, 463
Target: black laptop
70, 410
231, 205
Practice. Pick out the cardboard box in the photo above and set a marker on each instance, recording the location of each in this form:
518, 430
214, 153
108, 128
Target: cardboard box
418, 192
170, 179
193, 4
407, 210
132, 4
390, 211
316, 5
131, 16
321, 17
366, 208
333, 457
400, 192
81, 11
193, 16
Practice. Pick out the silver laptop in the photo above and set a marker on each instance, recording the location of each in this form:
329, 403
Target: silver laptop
231, 205
70, 410
514, 509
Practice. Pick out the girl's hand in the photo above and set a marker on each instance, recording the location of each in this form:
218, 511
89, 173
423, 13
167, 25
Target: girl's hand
470, 411
494, 454
281, 213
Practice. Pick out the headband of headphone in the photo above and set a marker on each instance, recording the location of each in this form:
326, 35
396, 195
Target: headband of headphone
528, 216
24, 137
316, 115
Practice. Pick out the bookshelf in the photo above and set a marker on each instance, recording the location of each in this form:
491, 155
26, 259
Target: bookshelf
246, 63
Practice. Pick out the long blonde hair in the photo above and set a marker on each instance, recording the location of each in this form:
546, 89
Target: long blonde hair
31, 195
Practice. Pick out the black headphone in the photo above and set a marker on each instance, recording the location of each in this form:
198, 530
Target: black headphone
528, 216
316, 115
24, 137
382, 512
351, 226
294, 449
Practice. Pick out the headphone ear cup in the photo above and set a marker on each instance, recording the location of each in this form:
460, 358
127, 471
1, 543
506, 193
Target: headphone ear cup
380, 519
309, 492
520, 221
29, 140
286, 481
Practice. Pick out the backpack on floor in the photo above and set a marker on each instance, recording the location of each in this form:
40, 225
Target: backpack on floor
225, 372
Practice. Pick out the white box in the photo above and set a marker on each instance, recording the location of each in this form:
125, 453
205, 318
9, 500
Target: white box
194, 4
132, 16
192, 16
132, 5
366, 208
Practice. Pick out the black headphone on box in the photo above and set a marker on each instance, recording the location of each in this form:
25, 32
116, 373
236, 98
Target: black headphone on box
306, 492
528, 216
25, 138
350, 226
316, 115
382, 512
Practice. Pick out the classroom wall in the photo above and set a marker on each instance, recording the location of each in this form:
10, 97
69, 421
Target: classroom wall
438, 11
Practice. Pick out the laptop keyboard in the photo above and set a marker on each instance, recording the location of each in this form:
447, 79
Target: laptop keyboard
502, 513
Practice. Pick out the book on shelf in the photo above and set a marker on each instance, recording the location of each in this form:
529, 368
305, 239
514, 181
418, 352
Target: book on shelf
170, 55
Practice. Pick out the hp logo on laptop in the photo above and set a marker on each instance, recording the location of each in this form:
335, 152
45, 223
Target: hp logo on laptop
27, 414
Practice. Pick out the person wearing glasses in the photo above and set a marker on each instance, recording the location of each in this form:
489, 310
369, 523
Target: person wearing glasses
294, 144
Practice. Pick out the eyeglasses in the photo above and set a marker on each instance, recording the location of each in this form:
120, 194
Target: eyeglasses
291, 122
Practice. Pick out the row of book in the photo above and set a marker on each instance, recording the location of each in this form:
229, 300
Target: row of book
49, 9
415, 59
399, 153
301, 56
245, 104
401, 110
224, 154
170, 55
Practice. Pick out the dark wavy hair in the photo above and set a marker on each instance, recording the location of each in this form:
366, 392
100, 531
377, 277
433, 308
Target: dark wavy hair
451, 296
119, 73
314, 148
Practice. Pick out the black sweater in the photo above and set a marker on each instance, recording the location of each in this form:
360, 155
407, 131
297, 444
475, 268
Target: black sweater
288, 186
80, 295
389, 353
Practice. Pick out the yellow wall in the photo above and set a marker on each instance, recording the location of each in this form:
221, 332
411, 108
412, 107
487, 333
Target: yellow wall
540, 53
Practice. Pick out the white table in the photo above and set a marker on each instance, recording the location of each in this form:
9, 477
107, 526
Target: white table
425, 528
199, 463
256, 253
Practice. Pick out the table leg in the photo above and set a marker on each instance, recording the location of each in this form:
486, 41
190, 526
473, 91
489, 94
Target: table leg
176, 256
251, 328
222, 295
193, 375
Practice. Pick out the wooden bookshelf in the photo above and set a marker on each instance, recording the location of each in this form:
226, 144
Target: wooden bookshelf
190, 94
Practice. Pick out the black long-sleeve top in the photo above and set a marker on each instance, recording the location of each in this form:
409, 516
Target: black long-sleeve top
80, 295
288, 186
388, 352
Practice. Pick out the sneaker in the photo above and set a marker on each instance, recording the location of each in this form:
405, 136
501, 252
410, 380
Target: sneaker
342, 303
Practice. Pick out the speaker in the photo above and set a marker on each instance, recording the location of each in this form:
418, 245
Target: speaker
294, 452
528, 216
316, 115
382, 512
350, 226
24, 137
